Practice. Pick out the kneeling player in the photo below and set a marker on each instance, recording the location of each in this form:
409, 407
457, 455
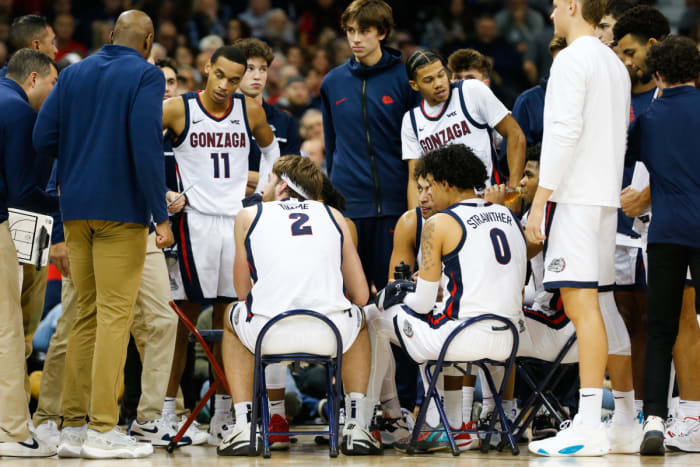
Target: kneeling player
294, 253
468, 232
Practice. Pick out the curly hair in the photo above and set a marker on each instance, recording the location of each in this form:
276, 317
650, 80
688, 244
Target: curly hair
676, 59
255, 48
617, 8
467, 59
532, 153
643, 22
457, 165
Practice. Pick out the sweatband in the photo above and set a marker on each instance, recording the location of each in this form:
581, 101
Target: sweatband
423, 299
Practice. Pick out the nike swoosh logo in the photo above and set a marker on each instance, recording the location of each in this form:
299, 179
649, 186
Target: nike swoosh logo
421, 129
587, 395
34, 444
341, 101
194, 122
154, 430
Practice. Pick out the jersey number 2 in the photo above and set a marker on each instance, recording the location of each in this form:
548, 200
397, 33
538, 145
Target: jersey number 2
500, 246
224, 159
298, 227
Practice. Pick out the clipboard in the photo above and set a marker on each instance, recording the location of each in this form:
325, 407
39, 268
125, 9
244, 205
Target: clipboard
31, 233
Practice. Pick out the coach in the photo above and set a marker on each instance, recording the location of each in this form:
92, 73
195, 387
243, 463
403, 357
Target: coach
103, 122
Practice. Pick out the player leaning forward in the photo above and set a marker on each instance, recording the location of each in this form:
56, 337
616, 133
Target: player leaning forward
585, 121
294, 253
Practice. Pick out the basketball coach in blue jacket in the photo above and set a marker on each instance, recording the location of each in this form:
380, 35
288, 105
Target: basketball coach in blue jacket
103, 123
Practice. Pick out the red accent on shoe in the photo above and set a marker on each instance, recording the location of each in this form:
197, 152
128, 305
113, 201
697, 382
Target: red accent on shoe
278, 423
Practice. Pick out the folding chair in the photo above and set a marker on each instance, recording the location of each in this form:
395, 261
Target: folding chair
433, 394
335, 389
204, 337
542, 391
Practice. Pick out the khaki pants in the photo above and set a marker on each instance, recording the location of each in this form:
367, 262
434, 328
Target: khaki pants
106, 261
33, 294
49, 406
14, 411
154, 330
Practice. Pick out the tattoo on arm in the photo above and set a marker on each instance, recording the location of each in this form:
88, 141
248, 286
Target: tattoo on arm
427, 247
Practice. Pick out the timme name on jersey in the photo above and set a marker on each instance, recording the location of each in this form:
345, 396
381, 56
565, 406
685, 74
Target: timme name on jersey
212, 156
465, 117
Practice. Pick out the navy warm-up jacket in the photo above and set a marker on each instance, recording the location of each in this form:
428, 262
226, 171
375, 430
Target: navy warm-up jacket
104, 123
23, 175
363, 108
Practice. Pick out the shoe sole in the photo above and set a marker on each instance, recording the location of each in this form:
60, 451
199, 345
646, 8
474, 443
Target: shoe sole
279, 446
68, 451
581, 453
359, 450
24, 454
240, 449
90, 452
673, 448
652, 444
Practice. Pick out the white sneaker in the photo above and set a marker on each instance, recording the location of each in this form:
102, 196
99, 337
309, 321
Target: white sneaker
684, 435
196, 434
358, 441
574, 439
219, 426
653, 438
48, 433
71, 441
157, 432
31, 447
237, 442
624, 438
113, 444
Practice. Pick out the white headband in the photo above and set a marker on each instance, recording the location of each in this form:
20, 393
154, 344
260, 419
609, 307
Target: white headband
294, 186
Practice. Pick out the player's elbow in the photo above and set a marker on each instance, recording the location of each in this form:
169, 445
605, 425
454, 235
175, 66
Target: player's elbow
360, 295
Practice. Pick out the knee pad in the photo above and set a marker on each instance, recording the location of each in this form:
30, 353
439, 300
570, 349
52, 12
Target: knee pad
618, 336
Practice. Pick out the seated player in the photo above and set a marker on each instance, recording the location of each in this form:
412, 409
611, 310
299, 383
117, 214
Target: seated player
292, 253
468, 231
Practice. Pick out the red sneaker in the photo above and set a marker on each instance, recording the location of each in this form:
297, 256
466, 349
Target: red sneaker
467, 441
279, 442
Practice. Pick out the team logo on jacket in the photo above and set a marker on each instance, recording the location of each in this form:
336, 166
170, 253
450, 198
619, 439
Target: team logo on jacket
557, 265
387, 100
407, 329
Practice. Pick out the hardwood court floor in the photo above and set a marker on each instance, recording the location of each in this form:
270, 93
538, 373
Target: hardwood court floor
305, 453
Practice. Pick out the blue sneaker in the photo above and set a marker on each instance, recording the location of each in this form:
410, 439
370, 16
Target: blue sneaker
430, 441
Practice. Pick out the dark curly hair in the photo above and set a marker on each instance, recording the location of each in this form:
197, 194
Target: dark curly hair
676, 59
643, 22
457, 165
466, 59
532, 153
331, 196
616, 8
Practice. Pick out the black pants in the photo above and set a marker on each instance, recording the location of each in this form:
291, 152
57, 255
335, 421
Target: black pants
668, 265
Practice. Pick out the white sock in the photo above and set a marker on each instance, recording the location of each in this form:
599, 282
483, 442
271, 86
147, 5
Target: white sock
243, 412
277, 408
392, 408
432, 418
222, 404
689, 409
590, 403
355, 411
168, 408
453, 408
624, 407
467, 403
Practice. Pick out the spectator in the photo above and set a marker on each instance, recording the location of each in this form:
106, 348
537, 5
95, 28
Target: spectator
296, 99
519, 24
312, 125
321, 61
313, 148
64, 25
205, 22
279, 31
236, 29
186, 79
158, 52
453, 24
201, 63
295, 56
183, 56
342, 51
210, 43
256, 17
313, 84
322, 14
167, 36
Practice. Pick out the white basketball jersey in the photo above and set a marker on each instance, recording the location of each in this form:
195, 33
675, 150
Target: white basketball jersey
486, 272
212, 156
294, 252
455, 124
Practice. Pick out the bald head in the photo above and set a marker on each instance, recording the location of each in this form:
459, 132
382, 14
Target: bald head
134, 29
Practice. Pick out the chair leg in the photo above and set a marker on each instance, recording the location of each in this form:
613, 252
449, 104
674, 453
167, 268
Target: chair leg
333, 425
435, 395
422, 413
505, 426
253, 449
265, 411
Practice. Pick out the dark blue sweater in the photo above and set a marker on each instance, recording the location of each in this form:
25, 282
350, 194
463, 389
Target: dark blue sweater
666, 139
104, 123
362, 112
285, 129
23, 175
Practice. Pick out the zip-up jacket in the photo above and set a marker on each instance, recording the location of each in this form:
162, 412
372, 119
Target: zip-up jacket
362, 112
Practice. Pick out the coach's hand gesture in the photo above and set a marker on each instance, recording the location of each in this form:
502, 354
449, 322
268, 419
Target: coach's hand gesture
164, 235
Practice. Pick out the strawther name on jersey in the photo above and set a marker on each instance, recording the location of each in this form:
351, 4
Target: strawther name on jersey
477, 219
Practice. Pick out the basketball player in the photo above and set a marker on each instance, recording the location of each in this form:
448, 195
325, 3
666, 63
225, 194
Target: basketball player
296, 237
462, 112
467, 230
213, 131
581, 171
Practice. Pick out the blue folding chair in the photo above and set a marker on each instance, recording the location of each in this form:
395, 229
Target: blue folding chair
335, 387
541, 391
432, 393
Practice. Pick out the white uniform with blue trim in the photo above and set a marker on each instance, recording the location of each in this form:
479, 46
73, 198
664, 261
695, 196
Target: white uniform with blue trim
484, 275
212, 156
466, 117
294, 251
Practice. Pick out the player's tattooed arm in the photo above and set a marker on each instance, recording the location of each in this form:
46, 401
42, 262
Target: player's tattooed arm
431, 251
